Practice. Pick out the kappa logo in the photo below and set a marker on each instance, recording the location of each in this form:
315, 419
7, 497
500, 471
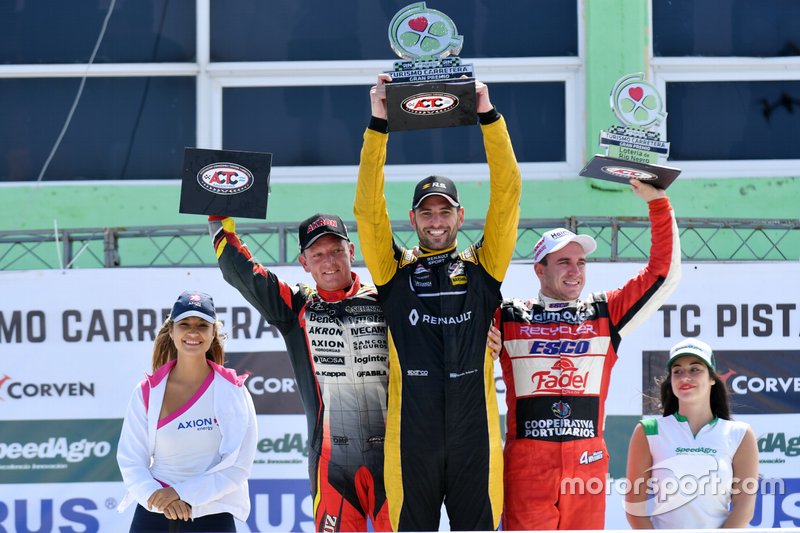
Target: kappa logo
225, 178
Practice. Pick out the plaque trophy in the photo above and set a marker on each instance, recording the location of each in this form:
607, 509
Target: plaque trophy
430, 87
634, 149
225, 182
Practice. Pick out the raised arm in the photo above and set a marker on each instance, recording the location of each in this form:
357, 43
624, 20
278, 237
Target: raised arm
505, 188
270, 296
643, 294
369, 207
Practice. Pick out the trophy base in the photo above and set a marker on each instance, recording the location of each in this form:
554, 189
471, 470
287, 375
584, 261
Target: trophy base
431, 104
225, 182
621, 171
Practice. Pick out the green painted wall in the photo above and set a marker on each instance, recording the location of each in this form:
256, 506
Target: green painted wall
616, 43
616, 36
36, 207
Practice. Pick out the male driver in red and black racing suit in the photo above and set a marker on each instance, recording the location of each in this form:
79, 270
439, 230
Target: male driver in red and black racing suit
335, 335
557, 358
442, 434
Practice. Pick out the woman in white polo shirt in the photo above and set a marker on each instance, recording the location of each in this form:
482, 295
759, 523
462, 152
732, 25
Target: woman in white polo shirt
694, 467
189, 436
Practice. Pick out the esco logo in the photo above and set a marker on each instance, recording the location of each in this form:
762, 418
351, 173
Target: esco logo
627, 172
225, 178
566, 347
429, 103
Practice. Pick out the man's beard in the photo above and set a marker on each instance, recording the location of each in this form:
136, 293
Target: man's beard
426, 243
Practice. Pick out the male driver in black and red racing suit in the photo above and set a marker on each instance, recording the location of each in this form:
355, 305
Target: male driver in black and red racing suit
556, 360
335, 335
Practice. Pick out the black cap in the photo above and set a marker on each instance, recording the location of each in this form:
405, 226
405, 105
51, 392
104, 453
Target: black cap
435, 185
194, 303
318, 225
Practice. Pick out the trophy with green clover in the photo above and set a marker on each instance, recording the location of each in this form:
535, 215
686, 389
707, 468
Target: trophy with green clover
430, 86
634, 148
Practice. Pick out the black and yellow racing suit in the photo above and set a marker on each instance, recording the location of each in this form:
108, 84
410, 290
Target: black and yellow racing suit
442, 436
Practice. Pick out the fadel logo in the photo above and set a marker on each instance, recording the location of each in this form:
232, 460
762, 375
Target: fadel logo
225, 178
562, 376
626, 172
429, 103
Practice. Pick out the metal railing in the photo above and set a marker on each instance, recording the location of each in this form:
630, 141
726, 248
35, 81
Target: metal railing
620, 239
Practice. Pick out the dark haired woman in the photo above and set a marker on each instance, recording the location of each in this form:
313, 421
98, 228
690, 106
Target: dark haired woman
698, 468
189, 436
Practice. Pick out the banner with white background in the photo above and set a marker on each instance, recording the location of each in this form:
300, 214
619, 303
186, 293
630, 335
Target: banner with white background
73, 345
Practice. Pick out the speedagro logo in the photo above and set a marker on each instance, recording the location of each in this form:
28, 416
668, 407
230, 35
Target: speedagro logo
429, 103
225, 178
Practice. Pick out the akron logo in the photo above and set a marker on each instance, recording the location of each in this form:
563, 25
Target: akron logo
429, 103
225, 178
630, 173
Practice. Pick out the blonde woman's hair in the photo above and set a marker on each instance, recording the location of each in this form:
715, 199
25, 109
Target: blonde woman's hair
164, 349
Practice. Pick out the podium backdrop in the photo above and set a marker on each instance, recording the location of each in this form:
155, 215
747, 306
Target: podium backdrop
74, 343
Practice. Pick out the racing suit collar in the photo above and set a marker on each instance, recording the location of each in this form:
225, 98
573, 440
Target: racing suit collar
336, 296
437, 257
551, 304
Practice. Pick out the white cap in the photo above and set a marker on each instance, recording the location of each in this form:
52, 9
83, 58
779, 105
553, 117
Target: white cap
695, 348
556, 239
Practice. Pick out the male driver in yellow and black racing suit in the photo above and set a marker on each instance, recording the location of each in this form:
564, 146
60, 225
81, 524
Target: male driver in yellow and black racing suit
442, 436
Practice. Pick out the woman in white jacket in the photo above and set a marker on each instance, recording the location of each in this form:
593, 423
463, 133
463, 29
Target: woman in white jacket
189, 436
